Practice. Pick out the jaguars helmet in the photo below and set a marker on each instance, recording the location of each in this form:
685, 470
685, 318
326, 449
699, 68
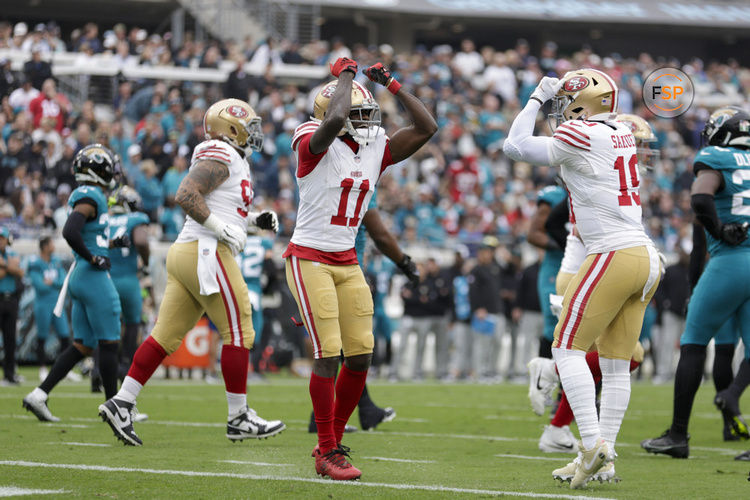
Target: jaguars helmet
729, 126
584, 93
364, 116
96, 164
236, 123
125, 200
644, 135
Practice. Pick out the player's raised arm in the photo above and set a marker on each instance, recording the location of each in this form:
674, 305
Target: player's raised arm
406, 141
521, 145
338, 110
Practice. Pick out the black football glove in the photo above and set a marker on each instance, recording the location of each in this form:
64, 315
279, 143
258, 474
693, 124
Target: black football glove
268, 220
121, 241
409, 268
100, 262
733, 233
380, 75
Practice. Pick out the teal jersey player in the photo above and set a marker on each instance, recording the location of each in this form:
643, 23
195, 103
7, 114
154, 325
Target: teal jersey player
550, 195
125, 260
251, 262
96, 306
360, 241
733, 201
717, 298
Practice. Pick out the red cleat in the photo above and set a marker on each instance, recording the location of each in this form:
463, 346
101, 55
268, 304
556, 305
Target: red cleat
335, 465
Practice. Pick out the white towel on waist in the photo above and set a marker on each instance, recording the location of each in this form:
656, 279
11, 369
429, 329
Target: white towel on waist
208, 266
655, 270
60, 304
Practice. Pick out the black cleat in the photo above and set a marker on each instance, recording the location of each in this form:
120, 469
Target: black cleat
118, 414
249, 425
743, 457
378, 416
729, 406
668, 445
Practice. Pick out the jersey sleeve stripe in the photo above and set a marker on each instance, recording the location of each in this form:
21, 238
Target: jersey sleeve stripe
572, 130
570, 143
211, 157
563, 135
213, 153
301, 132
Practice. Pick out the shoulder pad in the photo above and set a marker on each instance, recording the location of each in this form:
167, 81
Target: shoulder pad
214, 150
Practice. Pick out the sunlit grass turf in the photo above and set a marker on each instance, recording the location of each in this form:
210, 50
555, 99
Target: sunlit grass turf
455, 430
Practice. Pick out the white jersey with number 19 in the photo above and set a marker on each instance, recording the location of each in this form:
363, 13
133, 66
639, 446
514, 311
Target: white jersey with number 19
335, 188
600, 168
231, 200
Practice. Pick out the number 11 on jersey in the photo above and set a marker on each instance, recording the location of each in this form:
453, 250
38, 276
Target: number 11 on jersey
340, 219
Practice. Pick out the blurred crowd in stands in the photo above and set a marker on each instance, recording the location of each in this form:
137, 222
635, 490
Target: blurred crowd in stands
457, 193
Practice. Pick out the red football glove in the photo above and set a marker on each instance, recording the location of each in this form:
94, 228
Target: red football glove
380, 74
343, 64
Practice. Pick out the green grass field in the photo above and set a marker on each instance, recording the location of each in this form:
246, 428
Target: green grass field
455, 440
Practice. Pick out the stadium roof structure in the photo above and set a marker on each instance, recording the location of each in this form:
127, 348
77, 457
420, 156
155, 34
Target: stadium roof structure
729, 13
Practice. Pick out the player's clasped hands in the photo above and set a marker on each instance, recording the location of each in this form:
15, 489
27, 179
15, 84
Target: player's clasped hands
733, 233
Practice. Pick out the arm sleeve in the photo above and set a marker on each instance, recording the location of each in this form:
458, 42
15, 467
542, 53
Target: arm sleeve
705, 211
555, 224
72, 234
521, 145
697, 256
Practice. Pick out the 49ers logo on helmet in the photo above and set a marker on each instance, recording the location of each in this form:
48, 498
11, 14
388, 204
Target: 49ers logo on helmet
328, 91
237, 111
576, 83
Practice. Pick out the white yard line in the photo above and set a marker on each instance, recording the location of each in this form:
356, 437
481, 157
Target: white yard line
262, 464
527, 457
14, 491
723, 451
76, 443
259, 477
404, 460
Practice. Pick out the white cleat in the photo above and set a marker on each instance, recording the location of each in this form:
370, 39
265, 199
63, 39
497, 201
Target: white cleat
249, 425
592, 461
73, 376
37, 405
557, 440
605, 475
542, 381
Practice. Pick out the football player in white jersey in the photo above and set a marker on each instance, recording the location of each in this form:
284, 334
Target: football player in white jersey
341, 155
202, 275
607, 298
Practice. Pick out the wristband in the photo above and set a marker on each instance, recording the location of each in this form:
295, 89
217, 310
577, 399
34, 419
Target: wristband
536, 99
393, 86
214, 224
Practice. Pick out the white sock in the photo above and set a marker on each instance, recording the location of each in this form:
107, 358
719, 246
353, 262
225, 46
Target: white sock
129, 390
578, 384
236, 403
615, 397
39, 393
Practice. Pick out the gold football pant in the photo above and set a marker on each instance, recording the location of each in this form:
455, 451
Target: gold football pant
606, 300
561, 282
183, 305
336, 306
